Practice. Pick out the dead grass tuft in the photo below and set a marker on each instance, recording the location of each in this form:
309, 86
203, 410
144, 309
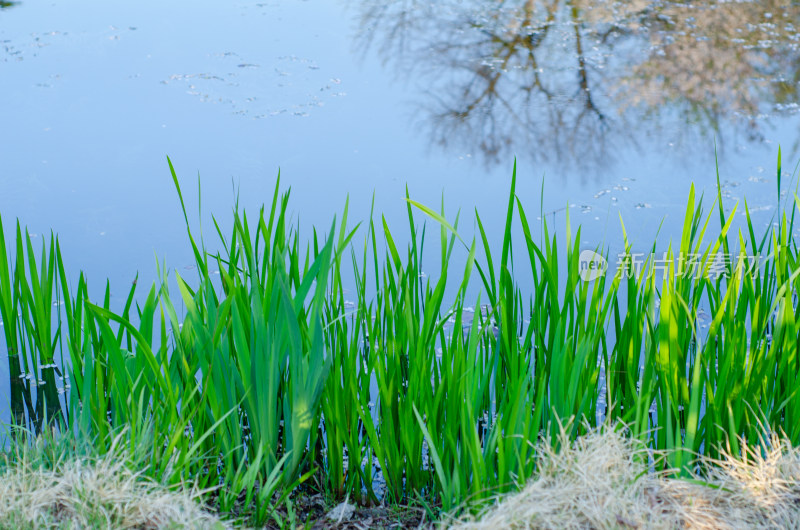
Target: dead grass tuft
605, 480
82, 492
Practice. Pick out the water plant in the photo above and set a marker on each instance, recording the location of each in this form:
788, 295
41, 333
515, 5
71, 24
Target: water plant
270, 380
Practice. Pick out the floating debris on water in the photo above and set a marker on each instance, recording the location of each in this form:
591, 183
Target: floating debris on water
240, 84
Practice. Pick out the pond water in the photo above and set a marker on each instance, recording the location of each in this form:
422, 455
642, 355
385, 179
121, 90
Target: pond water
614, 108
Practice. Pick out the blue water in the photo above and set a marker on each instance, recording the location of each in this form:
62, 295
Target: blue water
362, 97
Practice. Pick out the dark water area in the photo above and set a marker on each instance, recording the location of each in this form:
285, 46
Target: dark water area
612, 108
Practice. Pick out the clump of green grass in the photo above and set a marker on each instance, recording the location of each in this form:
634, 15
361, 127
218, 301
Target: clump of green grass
53, 483
271, 381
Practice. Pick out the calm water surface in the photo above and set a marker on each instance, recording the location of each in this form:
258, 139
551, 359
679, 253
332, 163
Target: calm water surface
615, 107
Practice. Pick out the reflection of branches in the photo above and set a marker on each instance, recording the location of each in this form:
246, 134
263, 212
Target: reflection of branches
500, 75
539, 75
585, 92
715, 62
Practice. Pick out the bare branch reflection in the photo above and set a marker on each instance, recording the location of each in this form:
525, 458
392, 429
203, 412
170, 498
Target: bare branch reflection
714, 62
571, 81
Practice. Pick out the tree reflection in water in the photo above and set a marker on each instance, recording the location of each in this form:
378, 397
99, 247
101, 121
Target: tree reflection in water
573, 81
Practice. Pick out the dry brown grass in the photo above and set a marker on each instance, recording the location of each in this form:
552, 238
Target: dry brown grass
92, 493
604, 480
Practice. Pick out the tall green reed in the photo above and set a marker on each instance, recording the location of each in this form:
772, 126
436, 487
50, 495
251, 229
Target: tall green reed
268, 378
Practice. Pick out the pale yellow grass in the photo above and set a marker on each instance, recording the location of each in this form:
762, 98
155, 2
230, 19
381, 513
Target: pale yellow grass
93, 493
604, 480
